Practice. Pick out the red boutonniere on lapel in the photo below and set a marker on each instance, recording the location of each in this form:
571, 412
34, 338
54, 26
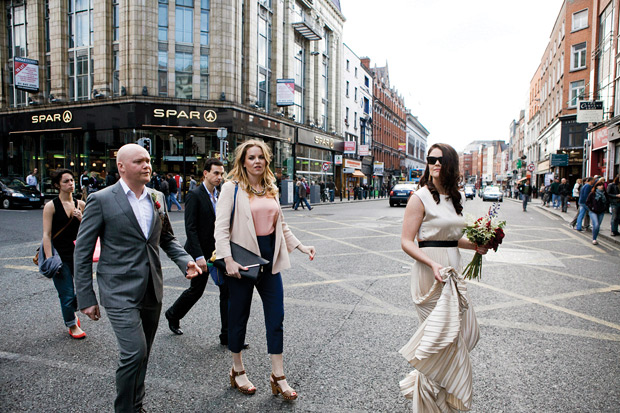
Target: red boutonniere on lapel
165, 221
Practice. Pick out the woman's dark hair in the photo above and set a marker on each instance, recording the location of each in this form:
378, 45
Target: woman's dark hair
617, 179
450, 176
57, 176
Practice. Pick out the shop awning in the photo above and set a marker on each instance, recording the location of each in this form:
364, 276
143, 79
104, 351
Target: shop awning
357, 173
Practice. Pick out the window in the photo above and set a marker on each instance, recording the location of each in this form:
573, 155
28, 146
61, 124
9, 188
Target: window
115, 24
347, 89
184, 21
299, 78
81, 67
580, 20
355, 95
163, 21
47, 27
204, 22
576, 92
17, 48
115, 74
264, 59
578, 56
204, 76
347, 65
356, 72
346, 116
366, 81
183, 75
366, 105
162, 73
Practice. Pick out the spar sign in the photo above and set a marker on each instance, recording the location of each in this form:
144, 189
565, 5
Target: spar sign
26, 74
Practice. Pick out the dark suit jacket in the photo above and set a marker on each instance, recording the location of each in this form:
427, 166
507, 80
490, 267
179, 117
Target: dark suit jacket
199, 223
127, 258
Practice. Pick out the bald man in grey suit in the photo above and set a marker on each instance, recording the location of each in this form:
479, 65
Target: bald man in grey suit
132, 223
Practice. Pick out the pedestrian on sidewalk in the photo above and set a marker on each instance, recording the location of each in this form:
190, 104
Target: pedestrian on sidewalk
555, 193
564, 193
302, 195
576, 188
525, 189
597, 204
174, 189
582, 220
250, 196
62, 218
613, 193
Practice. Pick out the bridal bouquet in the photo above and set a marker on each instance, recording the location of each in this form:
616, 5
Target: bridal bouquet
486, 231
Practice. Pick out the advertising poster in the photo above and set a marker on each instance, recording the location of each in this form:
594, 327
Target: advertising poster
285, 92
26, 74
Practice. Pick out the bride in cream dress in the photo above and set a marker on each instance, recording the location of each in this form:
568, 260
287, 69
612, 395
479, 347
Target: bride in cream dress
439, 349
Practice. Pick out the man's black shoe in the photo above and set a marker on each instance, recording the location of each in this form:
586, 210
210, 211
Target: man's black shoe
174, 325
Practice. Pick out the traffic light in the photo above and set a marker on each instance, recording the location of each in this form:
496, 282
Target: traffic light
518, 163
147, 145
224, 149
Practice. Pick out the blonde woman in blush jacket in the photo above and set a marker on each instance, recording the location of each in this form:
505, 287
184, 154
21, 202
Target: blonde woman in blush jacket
258, 226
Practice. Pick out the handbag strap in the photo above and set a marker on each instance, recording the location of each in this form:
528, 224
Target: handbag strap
232, 214
67, 224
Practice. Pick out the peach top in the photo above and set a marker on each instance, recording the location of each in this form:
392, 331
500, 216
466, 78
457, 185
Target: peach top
265, 212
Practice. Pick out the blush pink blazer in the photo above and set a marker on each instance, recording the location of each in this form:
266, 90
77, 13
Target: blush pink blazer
243, 231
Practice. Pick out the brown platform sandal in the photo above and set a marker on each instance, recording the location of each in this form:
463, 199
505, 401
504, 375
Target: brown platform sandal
275, 388
233, 383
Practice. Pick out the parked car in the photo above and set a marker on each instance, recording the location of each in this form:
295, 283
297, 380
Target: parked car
400, 193
492, 193
16, 193
470, 192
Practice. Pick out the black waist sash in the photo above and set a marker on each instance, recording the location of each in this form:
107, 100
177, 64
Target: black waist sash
444, 244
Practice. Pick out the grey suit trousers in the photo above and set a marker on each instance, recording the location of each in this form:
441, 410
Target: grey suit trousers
135, 330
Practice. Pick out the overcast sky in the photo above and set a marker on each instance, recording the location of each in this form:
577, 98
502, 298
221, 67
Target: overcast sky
463, 67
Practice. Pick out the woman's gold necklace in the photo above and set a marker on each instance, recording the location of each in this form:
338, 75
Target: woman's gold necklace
258, 193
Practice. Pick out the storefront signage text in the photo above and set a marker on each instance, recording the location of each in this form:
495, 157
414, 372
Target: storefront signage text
208, 115
66, 117
323, 141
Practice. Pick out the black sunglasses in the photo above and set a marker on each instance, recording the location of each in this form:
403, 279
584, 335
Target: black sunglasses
432, 160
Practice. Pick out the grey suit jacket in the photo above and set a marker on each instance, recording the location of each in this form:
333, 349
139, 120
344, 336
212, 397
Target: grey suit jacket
127, 258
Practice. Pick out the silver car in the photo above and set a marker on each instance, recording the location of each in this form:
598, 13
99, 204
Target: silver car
492, 193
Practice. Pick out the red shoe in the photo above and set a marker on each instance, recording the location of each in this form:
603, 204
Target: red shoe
77, 336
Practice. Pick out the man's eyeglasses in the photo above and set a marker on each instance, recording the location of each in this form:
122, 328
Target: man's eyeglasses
432, 160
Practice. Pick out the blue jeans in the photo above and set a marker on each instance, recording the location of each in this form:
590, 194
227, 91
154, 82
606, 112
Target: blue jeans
331, 195
173, 198
526, 198
597, 220
556, 200
63, 281
299, 202
583, 209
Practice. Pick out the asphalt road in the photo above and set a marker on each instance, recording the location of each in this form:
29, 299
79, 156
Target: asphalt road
547, 306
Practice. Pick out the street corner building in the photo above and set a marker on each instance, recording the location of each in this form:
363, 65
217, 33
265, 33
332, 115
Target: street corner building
81, 78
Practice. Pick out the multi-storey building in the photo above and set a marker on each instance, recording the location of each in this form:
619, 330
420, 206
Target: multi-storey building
561, 81
482, 162
357, 115
389, 128
417, 137
171, 74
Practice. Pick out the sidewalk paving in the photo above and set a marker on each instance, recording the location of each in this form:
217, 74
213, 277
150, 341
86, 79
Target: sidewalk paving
604, 233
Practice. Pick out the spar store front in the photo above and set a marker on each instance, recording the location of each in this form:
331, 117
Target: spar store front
315, 155
86, 137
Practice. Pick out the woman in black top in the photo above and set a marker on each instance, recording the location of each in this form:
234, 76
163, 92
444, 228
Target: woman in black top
64, 213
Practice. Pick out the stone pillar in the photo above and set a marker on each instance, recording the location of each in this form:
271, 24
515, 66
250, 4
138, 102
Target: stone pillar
35, 36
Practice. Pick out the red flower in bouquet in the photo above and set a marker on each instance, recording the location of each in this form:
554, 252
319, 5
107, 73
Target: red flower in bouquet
486, 231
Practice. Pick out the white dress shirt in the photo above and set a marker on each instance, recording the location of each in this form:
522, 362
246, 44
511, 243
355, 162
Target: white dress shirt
142, 207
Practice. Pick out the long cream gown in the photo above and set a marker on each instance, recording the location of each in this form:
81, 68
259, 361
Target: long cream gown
439, 350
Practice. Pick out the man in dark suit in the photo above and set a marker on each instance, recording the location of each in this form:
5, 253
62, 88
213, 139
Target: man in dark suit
132, 223
200, 204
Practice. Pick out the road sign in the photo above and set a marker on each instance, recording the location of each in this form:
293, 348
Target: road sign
531, 167
325, 166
